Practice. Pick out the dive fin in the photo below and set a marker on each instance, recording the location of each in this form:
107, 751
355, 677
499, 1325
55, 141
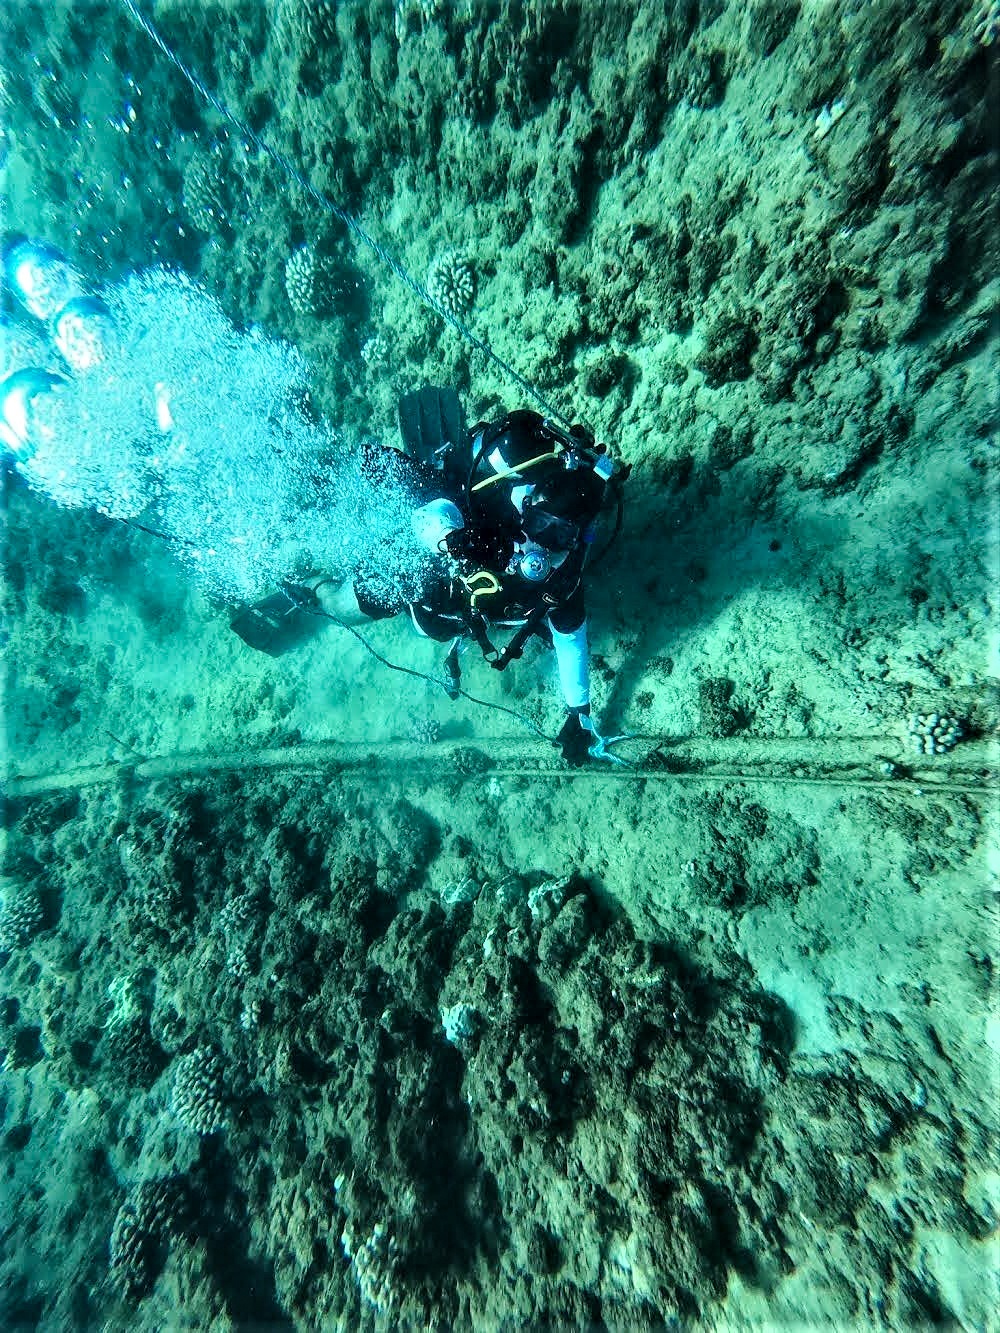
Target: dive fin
276, 623
432, 426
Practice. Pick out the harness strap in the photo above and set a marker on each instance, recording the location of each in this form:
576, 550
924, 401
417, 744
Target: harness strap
521, 467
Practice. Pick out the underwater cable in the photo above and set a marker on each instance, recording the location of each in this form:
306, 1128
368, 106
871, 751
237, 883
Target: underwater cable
723, 763
350, 222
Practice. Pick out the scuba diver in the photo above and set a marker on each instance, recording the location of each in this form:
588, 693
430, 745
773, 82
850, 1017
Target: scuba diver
508, 512
501, 517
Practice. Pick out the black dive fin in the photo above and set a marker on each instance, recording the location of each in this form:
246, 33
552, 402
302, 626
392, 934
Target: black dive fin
432, 426
275, 624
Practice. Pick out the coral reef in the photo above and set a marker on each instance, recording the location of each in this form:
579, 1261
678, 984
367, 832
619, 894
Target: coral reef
458, 1023
986, 23
199, 1095
307, 29
375, 350
934, 733
154, 1214
307, 281
733, 1057
729, 347
425, 730
132, 1055
21, 914
375, 1260
203, 191
497, 1103
451, 282
719, 715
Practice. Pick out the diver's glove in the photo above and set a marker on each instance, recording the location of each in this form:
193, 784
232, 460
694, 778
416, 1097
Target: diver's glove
576, 737
579, 739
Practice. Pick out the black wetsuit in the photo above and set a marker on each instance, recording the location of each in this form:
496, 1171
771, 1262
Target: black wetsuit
561, 522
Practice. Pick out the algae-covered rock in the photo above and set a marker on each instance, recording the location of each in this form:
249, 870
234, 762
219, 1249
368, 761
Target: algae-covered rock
489, 1106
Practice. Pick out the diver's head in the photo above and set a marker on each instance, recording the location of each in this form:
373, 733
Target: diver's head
433, 522
41, 277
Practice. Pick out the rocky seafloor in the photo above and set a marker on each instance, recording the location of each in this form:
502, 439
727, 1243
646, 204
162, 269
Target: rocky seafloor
266, 1069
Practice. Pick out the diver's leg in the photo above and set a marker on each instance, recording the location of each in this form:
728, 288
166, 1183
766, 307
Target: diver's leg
568, 624
340, 601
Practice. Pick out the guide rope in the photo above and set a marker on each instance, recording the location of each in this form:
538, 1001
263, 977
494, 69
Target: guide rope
329, 205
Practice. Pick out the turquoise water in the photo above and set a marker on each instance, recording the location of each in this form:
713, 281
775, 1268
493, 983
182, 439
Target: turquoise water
327, 1001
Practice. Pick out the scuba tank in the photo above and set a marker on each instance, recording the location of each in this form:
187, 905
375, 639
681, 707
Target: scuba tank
50, 289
